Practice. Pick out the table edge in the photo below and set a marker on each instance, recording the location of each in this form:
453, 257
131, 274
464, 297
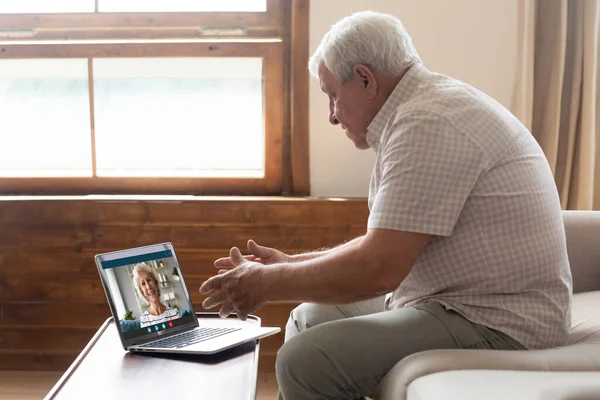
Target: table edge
56, 388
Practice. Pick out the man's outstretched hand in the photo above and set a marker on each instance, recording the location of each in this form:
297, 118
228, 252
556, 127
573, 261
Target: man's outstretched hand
237, 289
261, 254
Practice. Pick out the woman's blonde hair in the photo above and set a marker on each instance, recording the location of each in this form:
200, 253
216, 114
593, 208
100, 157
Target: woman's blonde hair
143, 267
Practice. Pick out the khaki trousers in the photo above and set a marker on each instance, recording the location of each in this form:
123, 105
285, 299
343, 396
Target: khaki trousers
343, 352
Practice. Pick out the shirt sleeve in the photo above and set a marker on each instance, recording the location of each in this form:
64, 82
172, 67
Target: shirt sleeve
429, 169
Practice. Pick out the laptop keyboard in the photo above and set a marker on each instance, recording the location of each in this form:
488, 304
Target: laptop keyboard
188, 338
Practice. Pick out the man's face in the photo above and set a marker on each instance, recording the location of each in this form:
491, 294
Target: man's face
348, 105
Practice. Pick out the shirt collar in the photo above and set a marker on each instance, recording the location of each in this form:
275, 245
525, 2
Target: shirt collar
402, 93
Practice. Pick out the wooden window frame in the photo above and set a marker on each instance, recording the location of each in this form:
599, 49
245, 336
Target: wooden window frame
283, 47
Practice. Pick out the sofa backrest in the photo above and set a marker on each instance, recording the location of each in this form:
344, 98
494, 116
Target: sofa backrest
582, 229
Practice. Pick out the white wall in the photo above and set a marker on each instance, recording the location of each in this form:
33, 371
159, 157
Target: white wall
127, 291
180, 297
471, 40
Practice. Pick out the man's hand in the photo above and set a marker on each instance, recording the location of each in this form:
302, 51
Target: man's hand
236, 290
261, 254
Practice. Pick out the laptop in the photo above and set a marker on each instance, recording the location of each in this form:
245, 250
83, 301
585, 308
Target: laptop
153, 311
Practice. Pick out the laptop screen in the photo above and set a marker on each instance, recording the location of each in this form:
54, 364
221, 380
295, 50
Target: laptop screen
148, 294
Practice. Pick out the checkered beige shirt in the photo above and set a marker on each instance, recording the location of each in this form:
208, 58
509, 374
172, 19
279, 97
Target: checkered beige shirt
454, 163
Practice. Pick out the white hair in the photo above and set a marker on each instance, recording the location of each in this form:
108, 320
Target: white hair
376, 40
143, 267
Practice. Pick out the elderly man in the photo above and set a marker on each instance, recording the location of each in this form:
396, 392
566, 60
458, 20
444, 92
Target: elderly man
465, 245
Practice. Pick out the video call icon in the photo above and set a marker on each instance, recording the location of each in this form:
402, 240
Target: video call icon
157, 327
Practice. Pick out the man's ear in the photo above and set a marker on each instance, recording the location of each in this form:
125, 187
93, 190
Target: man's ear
367, 78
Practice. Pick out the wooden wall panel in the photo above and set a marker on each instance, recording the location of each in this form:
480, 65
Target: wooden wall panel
52, 300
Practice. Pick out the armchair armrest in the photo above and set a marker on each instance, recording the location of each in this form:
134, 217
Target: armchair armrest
579, 357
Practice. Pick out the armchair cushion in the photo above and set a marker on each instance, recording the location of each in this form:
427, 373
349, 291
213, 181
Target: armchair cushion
585, 325
492, 385
578, 357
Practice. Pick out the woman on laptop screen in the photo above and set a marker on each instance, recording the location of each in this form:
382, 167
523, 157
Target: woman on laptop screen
145, 282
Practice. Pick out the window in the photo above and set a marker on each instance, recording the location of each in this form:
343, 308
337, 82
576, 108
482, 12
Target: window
213, 104
44, 6
183, 5
78, 6
153, 96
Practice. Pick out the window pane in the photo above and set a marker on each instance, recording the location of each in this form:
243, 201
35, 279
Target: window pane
46, 6
191, 117
182, 5
44, 110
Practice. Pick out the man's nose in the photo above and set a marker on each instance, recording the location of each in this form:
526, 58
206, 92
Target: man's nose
333, 120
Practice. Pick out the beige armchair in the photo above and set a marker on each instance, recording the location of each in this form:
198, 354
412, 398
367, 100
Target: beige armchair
569, 372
